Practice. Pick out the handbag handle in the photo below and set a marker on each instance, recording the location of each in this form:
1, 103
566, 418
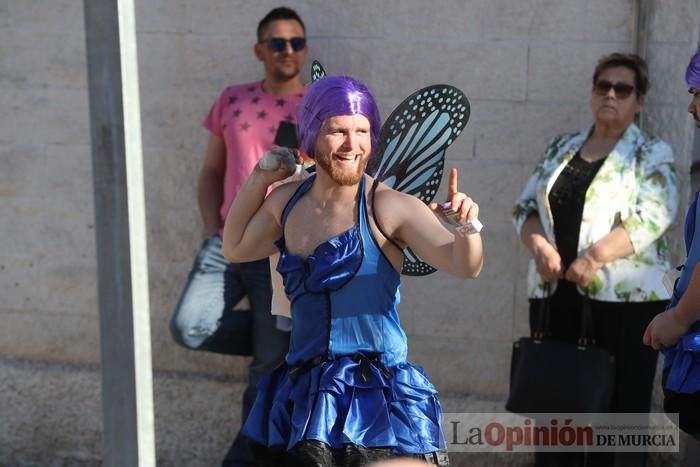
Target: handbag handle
544, 319
586, 337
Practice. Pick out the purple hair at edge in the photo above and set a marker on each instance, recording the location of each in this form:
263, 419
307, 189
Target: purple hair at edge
692, 73
330, 97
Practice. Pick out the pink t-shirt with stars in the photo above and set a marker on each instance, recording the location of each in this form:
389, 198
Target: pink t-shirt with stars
247, 118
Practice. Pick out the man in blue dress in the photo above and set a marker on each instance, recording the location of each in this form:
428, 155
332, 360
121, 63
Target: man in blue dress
677, 330
346, 394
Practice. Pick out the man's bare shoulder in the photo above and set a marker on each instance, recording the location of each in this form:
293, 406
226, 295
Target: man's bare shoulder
387, 197
395, 209
278, 198
284, 192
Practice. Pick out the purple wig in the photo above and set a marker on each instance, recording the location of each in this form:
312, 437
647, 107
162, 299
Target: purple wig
330, 97
692, 73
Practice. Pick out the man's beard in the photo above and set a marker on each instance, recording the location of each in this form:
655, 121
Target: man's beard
341, 177
282, 74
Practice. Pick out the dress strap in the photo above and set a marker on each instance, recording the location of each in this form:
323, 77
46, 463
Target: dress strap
373, 193
690, 221
361, 204
303, 188
371, 243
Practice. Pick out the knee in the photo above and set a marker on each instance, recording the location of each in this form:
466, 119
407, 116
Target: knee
187, 333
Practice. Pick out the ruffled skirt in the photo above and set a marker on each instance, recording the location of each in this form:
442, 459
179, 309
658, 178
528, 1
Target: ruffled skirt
683, 364
348, 401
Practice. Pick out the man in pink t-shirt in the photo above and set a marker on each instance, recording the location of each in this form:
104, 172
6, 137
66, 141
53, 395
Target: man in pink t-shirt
245, 121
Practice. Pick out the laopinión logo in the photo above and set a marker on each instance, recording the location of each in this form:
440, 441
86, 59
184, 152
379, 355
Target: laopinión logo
599, 432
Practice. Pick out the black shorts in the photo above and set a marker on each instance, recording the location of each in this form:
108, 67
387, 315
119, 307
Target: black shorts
687, 406
317, 454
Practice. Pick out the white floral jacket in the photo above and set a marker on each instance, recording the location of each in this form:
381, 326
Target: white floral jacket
636, 187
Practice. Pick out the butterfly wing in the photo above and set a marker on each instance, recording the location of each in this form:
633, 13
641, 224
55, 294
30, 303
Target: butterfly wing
317, 71
410, 155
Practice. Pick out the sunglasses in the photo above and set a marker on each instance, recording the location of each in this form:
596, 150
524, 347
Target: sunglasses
622, 90
278, 44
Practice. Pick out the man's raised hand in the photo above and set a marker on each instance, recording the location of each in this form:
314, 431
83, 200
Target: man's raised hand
458, 202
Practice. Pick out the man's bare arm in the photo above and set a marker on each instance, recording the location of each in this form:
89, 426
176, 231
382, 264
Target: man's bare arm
410, 222
668, 327
210, 186
253, 222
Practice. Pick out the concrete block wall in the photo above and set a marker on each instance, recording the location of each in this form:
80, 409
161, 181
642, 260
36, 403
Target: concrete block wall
524, 64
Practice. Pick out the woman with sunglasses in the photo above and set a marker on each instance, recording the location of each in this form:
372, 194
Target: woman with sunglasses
593, 216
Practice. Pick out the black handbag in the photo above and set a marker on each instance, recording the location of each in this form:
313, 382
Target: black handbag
552, 376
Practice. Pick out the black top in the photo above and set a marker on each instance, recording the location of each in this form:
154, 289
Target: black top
566, 201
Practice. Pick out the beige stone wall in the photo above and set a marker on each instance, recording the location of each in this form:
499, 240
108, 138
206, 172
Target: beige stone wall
524, 64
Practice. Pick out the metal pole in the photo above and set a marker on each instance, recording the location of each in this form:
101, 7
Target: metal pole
115, 130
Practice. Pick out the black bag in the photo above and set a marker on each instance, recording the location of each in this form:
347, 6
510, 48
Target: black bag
551, 376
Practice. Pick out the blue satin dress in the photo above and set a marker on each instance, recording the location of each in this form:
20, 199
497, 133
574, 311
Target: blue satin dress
345, 379
682, 361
